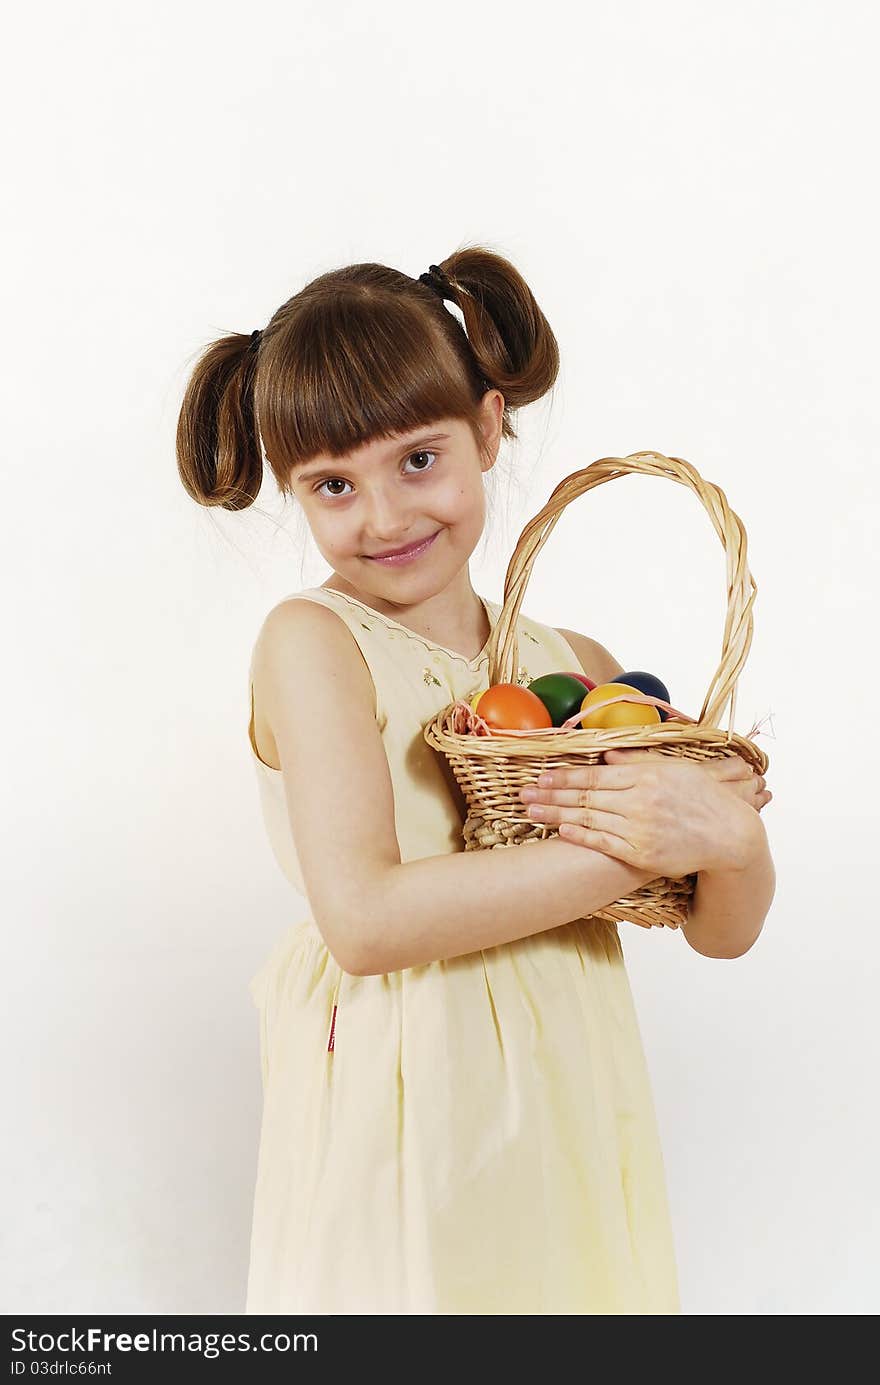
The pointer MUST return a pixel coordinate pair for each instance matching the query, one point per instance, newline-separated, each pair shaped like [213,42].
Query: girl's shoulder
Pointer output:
[300,650]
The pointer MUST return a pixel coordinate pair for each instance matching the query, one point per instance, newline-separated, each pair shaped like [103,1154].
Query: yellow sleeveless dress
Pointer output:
[471,1136]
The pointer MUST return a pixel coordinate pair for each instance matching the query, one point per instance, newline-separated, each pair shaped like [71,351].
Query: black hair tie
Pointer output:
[256,338]
[438,280]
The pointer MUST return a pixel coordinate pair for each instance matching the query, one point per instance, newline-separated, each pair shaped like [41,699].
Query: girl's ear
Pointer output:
[492,407]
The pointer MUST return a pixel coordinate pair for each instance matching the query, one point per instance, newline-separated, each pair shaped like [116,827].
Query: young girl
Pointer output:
[457,1112]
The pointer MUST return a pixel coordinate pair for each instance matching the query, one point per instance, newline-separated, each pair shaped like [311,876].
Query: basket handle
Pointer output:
[503,651]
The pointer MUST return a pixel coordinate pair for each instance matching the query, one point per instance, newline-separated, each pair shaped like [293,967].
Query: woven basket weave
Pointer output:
[492,768]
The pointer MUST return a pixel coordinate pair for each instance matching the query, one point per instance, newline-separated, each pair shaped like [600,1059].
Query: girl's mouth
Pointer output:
[408,555]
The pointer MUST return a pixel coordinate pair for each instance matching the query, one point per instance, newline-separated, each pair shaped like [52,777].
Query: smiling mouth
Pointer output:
[409,552]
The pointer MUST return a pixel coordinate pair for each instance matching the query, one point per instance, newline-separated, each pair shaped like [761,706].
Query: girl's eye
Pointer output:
[333,480]
[422,454]
[330,481]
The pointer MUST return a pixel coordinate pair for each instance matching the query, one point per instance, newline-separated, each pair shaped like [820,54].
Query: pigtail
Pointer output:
[219,457]
[512,342]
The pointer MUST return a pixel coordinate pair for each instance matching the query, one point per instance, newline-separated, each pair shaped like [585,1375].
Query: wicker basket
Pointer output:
[492,768]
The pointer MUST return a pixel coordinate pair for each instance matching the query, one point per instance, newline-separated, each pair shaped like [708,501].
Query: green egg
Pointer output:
[561,694]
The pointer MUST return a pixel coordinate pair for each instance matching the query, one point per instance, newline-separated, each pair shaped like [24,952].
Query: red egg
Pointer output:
[582,678]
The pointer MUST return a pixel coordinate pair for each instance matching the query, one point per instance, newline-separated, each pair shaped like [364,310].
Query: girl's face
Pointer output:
[390,494]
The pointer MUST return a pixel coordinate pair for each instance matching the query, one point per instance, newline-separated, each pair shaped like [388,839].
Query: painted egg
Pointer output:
[561,693]
[508,706]
[619,713]
[648,684]
[475,698]
[582,678]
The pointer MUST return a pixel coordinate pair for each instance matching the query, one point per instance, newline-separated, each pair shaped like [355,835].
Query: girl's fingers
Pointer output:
[731,767]
[552,814]
[734,771]
[574,798]
[606,842]
[571,787]
[727,768]
[601,831]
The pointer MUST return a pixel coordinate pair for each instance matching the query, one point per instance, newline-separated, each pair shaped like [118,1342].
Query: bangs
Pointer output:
[360,367]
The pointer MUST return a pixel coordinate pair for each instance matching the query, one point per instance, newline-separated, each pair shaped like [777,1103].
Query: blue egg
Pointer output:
[649,685]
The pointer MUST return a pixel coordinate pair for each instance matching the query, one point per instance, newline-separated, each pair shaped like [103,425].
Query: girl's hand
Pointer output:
[733,772]
[663,814]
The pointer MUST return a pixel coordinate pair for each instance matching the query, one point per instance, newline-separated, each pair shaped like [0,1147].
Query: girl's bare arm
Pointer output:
[377,914]
[444,906]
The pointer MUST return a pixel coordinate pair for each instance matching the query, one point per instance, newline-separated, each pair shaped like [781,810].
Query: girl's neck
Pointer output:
[454,617]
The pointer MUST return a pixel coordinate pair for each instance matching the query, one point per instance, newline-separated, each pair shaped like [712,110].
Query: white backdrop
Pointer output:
[688,191]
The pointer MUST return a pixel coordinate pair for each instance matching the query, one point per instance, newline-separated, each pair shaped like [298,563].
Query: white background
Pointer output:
[688,190]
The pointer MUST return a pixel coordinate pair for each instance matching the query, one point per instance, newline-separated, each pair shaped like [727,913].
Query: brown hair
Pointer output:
[360,353]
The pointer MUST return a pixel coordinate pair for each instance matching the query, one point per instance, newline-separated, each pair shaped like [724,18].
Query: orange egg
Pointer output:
[619,713]
[507,706]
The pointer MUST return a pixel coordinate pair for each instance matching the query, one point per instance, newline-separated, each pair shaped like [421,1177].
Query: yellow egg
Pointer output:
[619,713]
[476,697]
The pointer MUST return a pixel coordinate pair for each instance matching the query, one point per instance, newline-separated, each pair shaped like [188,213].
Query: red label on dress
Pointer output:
[332,1031]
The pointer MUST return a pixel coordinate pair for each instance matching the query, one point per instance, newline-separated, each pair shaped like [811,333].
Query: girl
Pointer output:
[457,1113]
